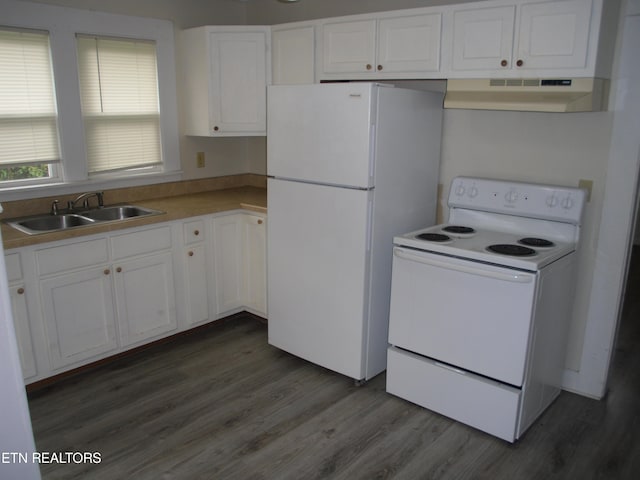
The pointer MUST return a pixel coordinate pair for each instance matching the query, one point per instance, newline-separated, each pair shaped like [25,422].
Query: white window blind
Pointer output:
[28,116]
[119,92]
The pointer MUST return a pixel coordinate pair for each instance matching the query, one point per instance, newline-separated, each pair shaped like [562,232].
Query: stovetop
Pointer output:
[522,250]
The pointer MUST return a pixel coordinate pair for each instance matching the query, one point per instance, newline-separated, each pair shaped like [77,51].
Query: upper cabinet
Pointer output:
[293,53]
[225,72]
[523,39]
[390,45]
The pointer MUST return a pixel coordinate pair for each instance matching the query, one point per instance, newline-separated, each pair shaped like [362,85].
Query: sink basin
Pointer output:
[53,223]
[50,223]
[121,212]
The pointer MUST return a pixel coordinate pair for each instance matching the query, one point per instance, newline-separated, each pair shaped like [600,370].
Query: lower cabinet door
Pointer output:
[197,284]
[145,298]
[79,315]
[20,312]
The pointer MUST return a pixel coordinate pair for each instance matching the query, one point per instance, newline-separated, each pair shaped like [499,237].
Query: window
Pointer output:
[111,117]
[119,92]
[29,147]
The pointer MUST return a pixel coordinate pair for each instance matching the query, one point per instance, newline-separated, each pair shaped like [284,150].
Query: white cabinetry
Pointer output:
[225,71]
[92,290]
[143,281]
[240,263]
[18,292]
[227,247]
[293,53]
[396,45]
[255,264]
[198,281]
[77,301]
[526,38]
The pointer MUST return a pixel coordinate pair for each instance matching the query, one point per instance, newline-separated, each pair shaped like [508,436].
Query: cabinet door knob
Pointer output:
[369,67]
[215,129]
[107,271]
[504,63]
[190,254]
[196,232]
[379,67]
[260,222]
[519,63]
[119,269]
[21,291]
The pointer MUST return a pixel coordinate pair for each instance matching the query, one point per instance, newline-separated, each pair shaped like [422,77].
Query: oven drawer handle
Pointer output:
[507,277]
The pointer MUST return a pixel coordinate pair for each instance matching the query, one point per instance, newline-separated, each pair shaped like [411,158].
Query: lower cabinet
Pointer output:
[82,300]
[254,239]
[228,248]
[18,294]
[79,315]
[145,298]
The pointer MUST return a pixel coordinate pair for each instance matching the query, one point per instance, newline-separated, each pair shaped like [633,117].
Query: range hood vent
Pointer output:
[527,95]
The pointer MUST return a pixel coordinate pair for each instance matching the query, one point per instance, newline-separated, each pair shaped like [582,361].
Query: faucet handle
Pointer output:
[54,207]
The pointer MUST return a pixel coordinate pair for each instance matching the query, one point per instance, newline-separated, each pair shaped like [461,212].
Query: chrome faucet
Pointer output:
[71,205]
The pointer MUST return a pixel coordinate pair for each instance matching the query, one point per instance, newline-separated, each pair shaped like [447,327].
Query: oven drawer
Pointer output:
[476,401]
[469,314]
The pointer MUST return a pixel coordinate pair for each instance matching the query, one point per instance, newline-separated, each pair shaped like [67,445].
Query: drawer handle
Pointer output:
[107,271]
[260,222]
[21,291]
[369,67]
[504,63]
[519,63]
[196,232]
[380,67]
[119,269]
[190,254]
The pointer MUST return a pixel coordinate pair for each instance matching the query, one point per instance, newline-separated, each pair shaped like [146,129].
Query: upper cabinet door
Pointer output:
[349,46]
[483,38]
[293,55]
[407,44]
[553,35]
[238,82]
[224,73]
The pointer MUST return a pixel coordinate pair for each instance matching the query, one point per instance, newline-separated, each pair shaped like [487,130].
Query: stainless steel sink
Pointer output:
[119,212]
[48,223]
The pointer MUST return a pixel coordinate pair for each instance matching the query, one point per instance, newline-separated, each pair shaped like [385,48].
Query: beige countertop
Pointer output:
[174,208]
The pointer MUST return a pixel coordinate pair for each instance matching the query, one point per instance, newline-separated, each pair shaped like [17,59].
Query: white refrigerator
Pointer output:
[349,166]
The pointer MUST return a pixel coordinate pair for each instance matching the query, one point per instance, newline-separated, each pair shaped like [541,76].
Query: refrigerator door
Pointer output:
[322,133]
[318,273]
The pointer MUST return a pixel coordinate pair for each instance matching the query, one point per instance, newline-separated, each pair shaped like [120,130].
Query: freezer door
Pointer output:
[321,133]
[317,273]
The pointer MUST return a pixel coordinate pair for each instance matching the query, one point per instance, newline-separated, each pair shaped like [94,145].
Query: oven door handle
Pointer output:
[507,277]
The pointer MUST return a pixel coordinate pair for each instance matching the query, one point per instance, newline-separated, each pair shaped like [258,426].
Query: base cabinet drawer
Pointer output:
[476,401]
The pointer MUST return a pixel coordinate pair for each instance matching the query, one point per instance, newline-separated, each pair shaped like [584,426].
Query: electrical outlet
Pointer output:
[587,185]
[200,159]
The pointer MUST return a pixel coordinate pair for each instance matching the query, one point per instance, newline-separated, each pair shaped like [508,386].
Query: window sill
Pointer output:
[64,188]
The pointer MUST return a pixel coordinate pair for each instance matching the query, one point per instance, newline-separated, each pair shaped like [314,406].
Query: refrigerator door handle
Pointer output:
[372,153]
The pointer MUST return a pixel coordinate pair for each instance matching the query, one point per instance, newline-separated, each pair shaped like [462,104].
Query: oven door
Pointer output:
[467,314]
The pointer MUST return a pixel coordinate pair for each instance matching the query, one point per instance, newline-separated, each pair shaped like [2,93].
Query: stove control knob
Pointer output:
[511,196]
[552,201]
[567,203]
[460,190]
[473,192]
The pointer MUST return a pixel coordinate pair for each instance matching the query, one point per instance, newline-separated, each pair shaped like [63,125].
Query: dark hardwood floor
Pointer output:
[223,404]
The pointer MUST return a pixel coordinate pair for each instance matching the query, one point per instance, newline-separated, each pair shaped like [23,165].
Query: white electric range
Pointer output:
[481,305]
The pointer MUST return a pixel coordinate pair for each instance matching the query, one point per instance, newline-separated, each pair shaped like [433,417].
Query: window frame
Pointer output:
[63,24]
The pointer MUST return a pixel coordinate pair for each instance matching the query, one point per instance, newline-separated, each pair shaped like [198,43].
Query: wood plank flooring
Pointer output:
[223,404]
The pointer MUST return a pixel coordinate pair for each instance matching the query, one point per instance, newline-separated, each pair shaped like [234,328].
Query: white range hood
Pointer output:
[527,95]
